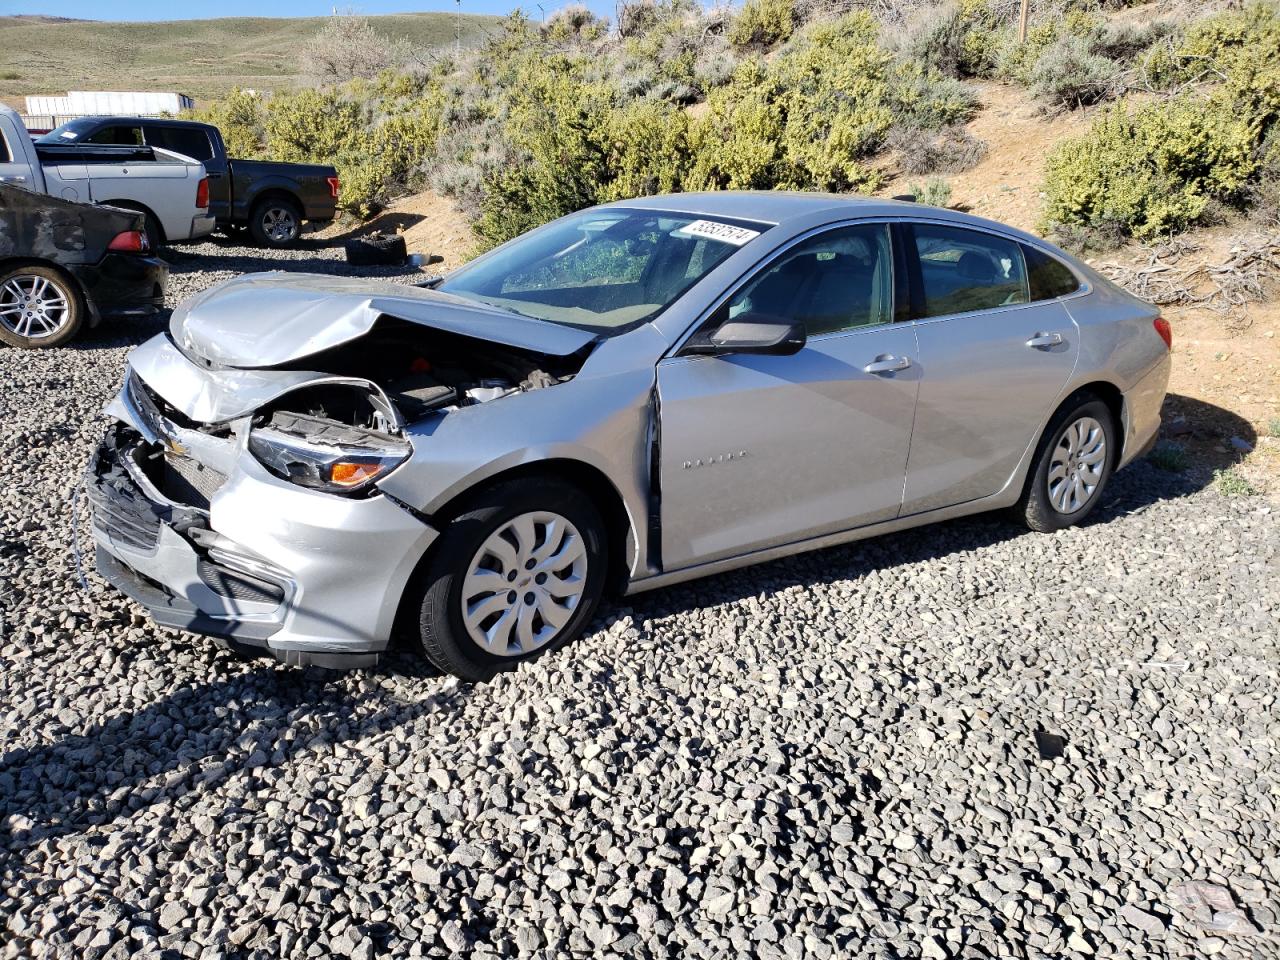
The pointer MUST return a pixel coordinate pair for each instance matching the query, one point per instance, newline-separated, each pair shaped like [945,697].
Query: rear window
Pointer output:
[1049,278]
[5,155]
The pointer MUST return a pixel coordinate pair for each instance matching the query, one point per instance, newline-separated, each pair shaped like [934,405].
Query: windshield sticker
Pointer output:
[724,232]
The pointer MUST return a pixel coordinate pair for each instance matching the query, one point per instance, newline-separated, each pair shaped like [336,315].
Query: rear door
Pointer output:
[993,361]
[758,451]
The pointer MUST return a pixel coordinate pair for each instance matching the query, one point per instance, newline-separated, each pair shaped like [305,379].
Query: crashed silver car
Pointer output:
[630,396]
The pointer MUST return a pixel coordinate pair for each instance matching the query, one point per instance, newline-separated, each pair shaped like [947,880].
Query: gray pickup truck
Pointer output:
[170,190]
[271,200]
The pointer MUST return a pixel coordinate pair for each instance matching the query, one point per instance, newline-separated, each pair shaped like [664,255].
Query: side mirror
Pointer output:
[754,333]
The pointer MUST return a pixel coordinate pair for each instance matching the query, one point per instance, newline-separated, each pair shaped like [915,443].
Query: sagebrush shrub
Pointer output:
[762,23]
[1150,170]
[949,150]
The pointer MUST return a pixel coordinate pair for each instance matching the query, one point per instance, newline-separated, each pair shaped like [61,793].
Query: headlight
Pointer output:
[325,455]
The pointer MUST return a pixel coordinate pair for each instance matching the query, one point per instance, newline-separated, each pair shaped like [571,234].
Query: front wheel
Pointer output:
[275,222]
[38,308]
[1074,461]
[518,574]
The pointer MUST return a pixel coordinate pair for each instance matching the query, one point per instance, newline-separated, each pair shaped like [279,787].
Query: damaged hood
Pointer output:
[264,320]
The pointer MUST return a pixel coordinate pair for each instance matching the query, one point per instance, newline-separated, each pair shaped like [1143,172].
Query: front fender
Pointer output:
[602,422]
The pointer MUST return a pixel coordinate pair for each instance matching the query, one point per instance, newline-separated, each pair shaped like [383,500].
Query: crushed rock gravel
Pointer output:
[962,741]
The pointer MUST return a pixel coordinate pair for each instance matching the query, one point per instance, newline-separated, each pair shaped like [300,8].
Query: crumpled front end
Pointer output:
[190,525]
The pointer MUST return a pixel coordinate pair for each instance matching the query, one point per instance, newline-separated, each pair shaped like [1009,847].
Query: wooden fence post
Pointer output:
[1022,21]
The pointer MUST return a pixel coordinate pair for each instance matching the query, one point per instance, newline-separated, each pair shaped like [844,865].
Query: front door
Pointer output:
[758,451]
[993,362]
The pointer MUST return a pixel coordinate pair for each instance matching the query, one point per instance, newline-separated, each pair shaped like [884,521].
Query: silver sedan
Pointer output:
[634,395]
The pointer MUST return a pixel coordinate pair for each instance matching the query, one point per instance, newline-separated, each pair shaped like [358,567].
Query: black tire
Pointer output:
[1041,506]
[275,222]
[443,634]
[376,250]
[49,287]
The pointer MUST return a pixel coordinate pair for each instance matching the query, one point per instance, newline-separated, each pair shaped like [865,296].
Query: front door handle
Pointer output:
[887,363]
[1045,340]
[13,179]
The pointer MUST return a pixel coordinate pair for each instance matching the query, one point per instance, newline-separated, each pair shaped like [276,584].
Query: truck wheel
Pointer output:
[38,308]
[275,222]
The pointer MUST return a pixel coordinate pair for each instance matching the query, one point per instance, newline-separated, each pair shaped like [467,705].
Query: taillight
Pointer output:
[334,184]
[1165,331]
[202,194]
[131,241]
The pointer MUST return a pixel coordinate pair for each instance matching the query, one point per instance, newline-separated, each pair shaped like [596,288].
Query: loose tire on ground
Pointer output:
[275,222]
[39,307]
[462,575]
[376,250]
[1081,444]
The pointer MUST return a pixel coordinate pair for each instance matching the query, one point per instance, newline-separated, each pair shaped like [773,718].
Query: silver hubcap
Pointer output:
[1075,469]
[524,584]
[279,224]
[33,307]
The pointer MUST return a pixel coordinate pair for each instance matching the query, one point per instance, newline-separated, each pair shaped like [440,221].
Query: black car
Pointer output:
[64,263]
[271,200]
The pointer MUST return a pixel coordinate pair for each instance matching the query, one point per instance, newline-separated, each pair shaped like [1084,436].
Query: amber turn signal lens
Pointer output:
[347,474]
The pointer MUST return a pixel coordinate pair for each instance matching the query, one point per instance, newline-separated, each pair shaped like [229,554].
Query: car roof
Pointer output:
[150,121]
[778,206]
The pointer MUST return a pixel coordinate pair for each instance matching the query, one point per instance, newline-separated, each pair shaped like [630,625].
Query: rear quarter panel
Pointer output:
[1119,345]
[309,183]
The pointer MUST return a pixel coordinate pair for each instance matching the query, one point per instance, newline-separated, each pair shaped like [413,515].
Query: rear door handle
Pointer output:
[1045,340]
[886,363]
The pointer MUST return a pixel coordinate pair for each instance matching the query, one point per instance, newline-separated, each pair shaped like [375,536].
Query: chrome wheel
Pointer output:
[279,224]
[1077,464]
[33,306]
[524,584]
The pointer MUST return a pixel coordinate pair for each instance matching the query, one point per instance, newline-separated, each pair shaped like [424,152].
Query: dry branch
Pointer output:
[1172,276]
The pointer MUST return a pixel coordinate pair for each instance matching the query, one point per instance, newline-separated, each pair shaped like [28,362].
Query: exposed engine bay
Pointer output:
[419,370]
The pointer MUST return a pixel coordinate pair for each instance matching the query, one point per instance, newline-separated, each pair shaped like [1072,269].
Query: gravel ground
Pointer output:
[965,741]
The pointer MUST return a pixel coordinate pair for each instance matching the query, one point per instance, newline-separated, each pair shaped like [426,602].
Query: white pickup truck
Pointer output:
[170,189]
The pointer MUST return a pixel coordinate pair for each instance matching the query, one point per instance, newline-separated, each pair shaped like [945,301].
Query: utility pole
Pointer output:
[457,29]
[1022,21]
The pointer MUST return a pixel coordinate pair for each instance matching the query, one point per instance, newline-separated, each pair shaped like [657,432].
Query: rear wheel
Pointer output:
[275,222]
[39,307]
[519,573]
[1073,464]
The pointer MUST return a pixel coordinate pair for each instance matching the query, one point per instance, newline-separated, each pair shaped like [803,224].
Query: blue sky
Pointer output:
[200,9]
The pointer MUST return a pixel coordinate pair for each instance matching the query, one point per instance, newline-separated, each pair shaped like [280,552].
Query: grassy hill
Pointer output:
[204,58]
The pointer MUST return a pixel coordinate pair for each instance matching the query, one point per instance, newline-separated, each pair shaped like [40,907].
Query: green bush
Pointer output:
[762,23]
[934,192]
[1069,74]
[960,39]
[1151,170]
[807,119]
[949,150]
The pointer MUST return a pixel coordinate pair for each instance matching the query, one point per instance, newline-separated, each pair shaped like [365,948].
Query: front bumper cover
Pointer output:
[307,577]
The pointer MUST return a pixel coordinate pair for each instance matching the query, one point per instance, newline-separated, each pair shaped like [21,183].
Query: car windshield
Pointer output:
[69,132]
[602,270]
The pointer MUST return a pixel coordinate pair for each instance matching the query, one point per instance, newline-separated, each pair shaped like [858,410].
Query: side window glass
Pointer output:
[120,136]
[5,156]
[835,281]
[1049,278]
[965,270]
[189,143]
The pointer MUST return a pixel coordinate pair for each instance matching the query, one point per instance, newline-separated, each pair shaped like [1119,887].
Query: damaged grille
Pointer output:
[185,481]
[121,508]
